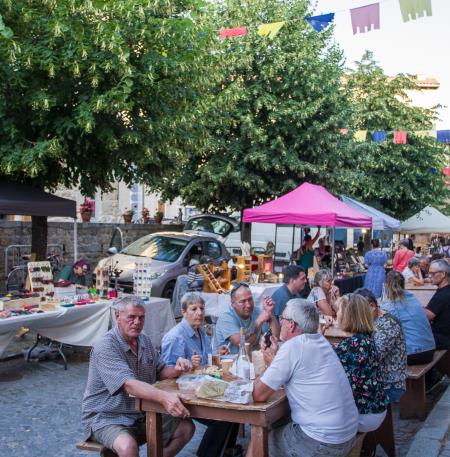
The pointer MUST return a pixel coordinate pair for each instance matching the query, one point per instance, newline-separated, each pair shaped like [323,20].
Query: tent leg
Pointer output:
[333,249]
[293,236]
[275,250]
[75,240]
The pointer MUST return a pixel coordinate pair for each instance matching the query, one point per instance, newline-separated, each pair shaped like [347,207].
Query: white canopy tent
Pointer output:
[428,220]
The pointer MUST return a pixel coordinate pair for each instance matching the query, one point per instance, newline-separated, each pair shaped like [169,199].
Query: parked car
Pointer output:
[171,252]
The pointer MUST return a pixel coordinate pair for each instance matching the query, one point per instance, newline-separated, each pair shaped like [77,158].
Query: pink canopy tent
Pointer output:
[309,204]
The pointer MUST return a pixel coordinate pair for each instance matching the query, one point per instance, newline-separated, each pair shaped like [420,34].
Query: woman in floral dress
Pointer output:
[359,358]
[375,259]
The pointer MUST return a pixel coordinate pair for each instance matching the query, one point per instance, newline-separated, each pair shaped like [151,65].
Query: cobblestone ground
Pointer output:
[40,407]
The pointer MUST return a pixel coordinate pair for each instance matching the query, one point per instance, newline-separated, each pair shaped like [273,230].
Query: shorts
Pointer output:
[291,441]
[108,434]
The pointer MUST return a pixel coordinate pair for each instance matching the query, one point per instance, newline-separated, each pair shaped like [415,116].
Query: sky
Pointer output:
[415,47]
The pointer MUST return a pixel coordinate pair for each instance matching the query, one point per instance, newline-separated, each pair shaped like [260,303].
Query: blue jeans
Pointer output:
[394,394]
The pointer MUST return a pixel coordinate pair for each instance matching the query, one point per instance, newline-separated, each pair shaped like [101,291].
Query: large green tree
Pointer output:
[273,120]
[96,91]
[401,179]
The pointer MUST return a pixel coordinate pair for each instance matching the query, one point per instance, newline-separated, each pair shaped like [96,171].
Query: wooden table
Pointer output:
[422,293]
[259,415]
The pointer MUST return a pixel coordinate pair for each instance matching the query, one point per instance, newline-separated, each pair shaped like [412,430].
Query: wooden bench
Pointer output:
[383,435]
[357,445]
[95,447]
[413,403]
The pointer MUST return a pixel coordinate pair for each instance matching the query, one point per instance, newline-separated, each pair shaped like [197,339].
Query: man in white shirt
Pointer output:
[324,415]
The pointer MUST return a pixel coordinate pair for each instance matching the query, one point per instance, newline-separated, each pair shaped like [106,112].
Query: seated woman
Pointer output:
[359,358]
[412,273]
[189,340]
[324,294]
[403,304]
[391,346]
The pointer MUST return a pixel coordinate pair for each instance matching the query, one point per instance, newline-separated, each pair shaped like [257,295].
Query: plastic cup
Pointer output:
[226,366]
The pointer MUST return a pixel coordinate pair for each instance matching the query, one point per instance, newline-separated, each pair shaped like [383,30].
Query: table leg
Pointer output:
[154,434]
[259,445]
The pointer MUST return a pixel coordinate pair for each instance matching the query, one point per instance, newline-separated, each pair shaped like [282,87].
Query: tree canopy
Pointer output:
[400,179]
[95,91]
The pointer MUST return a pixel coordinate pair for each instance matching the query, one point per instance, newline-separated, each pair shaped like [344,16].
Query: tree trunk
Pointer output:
[246,230]
[39,237]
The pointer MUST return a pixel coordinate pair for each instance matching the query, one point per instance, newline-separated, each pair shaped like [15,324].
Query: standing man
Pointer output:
[438,310]
[242,313]
[324,415]
[124,363]
[294,279]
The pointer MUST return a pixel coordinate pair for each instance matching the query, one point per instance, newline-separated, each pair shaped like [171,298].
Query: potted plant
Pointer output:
[86,209]
[145,213]
[128,216]
[158,217]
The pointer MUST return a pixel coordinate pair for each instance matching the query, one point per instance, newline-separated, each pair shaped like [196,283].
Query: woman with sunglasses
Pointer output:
[76,273]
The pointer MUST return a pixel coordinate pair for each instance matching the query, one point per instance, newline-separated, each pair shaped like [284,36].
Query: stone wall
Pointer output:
[93,239]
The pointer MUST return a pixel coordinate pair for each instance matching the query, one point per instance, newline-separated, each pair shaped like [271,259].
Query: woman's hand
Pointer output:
[196,360]
[328,322]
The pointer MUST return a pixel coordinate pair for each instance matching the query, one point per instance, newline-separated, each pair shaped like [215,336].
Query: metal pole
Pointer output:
[275,249]
[332,250]
[293,235]
[75,240]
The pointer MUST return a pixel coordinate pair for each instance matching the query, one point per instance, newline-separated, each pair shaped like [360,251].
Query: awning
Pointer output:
[429,220]
[380,221]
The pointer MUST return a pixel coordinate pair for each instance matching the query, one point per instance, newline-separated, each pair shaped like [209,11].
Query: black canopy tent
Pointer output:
[25,200]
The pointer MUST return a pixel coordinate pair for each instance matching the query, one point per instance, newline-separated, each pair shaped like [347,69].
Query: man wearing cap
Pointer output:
[76,273]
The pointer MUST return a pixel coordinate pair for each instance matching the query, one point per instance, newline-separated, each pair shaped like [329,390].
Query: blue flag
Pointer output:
[443,136]
[318,23]
[379,136]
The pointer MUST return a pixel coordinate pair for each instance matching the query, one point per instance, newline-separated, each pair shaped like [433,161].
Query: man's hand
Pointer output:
[196,360]
[183,365]
[269,352]
[326,323]
[171,402]
[267,309]
[224,350]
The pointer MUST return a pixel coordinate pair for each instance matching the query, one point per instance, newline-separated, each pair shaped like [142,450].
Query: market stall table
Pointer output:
[84,325]
[259,415]
[216,304]
[350,284]
[423,293]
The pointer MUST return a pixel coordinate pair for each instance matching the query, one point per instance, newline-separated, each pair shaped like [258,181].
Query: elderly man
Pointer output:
[323,411]
[124,363]
[242,314]
[438,309]
[294,279]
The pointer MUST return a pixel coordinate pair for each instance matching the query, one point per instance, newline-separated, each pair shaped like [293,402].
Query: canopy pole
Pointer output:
[75,240]
[275,249]
[293,236]
[333,260]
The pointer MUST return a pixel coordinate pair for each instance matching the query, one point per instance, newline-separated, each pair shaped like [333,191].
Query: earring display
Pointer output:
[143,278]
[41,278]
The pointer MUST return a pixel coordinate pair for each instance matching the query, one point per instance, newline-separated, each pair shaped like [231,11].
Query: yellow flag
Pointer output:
[424,133]
[360,135]
[271,29]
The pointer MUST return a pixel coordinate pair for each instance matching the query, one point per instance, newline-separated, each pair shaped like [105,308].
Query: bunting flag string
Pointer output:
[399,136]
[364,19]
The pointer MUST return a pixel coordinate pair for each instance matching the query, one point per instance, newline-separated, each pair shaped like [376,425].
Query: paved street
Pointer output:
[40,410]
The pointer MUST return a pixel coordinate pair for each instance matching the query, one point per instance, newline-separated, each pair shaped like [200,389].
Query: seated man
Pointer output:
[242,313]
[323,411]
[294,279]
[76,273]
[124,363]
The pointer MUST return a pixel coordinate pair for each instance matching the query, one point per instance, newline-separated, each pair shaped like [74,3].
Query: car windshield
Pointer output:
[157,247]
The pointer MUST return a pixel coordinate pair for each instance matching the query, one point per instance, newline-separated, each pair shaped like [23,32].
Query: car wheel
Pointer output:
[168,291]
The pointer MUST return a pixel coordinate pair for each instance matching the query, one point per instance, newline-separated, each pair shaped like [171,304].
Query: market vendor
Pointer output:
[76,273]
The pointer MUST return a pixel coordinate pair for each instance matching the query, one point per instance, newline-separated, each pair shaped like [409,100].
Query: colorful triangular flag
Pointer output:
[400,137]
[234,32]
[360,135]
[318,23]
[365,17]
[270,30]
[379,136]
[343,131]
[413,9]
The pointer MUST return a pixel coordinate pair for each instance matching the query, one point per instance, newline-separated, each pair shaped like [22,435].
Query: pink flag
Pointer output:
[236,31]
[343,131]
[400,137]
[365,16]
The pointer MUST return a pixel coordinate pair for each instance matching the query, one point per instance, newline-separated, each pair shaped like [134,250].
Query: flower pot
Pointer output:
[127,218]
[86,216]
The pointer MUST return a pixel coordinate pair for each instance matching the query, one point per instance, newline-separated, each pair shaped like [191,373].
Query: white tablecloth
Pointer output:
[216,304]
[84,325]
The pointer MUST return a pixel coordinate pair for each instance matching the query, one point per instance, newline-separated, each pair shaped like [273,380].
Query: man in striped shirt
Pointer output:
[124,363]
